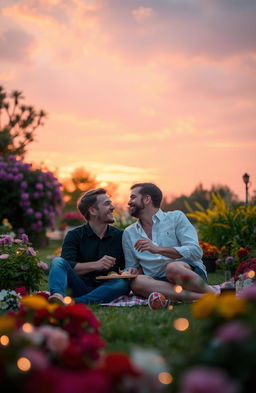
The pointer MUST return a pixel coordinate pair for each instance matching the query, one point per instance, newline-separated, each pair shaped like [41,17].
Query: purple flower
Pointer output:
[38,215]
[7,239]
[249,293]
[24,238]
[30,211]
[39,186]
[207,380]
[43,265]
[24,196]
[31,252]
[229,259]
[234,331]
[218,261]
[36,195]
[4,256]
[23,184]
[23,268]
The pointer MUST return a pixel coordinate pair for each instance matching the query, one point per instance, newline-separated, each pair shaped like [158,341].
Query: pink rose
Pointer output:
[232,332]
[31,252]
[207,380]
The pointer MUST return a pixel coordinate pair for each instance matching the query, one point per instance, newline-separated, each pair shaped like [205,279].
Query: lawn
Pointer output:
[124,328]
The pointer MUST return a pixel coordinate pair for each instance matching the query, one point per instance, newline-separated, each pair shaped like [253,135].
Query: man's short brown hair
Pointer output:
[152,190]
[89,199]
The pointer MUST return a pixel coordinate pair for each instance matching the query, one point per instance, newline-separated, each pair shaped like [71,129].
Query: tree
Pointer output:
[81,181]
[17,123]
[200,198]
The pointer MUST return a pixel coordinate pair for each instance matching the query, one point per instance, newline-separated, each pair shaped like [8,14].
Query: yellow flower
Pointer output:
[35,302]
[5,221]
[52,307]
[204,306]
[7,322]
[229,305]
[57,252]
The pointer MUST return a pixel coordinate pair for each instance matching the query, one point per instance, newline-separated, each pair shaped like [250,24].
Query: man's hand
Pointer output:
[146,245]
[131,270]
[105,262]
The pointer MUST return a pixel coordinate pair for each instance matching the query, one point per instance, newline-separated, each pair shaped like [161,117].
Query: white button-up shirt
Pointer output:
[170,229]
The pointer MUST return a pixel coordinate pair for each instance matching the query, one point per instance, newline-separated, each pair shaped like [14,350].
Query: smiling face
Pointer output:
[103,210]
[136,203]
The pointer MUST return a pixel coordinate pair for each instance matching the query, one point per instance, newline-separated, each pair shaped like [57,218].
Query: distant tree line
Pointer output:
[200,198]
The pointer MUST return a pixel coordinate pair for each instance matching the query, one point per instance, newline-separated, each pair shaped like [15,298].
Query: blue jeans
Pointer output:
[63,276]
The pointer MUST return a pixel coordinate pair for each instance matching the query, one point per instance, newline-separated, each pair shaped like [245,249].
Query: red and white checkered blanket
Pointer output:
[127,301]
[132,300]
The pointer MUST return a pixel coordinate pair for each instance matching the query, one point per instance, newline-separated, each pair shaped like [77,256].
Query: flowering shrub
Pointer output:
[226,263]
[29,198]
[209,250]
[47,347]
[225,225]
[72,219]
[231,262]
[19,263]
[249,265]
[9,300]
[222,358]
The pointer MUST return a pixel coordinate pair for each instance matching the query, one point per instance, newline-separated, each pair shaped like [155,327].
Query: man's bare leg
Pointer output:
[144,285]
[181,273]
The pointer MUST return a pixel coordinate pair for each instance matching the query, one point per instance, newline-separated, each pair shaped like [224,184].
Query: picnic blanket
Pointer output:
[127,301]
[132,300]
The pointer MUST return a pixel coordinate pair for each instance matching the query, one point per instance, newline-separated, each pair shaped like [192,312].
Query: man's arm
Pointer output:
[147,245]
[70,253]
[103,263]
[187,237]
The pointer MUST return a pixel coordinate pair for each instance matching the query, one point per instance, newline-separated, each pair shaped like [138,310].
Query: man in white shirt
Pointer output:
[163,249]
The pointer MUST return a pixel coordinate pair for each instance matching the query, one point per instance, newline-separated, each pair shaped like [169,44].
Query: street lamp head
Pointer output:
[246,178]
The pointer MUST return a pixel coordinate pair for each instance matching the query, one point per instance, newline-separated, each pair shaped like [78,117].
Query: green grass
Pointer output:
[124,328]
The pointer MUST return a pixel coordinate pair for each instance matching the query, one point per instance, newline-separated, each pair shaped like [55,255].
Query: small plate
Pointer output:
[115,276]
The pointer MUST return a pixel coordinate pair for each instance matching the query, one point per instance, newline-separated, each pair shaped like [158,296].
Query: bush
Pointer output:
[29,198]
[72,219]
[225,225]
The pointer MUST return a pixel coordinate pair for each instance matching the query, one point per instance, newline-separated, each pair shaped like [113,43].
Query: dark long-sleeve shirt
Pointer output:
[83,245]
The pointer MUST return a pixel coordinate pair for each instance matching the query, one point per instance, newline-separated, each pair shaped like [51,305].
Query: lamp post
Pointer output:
[246,179]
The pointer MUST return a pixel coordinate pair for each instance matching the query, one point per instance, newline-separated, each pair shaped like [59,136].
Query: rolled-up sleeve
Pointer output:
[131,261]
[187,236]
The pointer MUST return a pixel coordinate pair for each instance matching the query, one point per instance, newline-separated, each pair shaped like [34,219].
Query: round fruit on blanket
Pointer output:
[157,300]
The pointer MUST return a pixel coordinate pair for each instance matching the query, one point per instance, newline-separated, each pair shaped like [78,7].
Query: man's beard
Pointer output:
[137,209]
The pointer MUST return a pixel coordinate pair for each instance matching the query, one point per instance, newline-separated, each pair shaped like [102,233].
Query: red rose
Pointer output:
[22,291]
[91,344]
[119,365]
[78,312]
[242,252]
[73,356]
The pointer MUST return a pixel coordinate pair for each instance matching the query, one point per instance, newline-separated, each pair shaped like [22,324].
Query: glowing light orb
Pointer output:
[181,324]
[23,364]
[165,378]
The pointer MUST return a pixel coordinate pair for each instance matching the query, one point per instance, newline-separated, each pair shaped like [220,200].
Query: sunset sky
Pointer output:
[138,90]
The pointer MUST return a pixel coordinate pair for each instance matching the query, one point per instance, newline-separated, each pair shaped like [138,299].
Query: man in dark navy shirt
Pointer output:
[91,250]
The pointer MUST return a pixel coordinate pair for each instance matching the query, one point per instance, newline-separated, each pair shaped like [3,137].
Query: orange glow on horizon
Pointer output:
[173,110]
